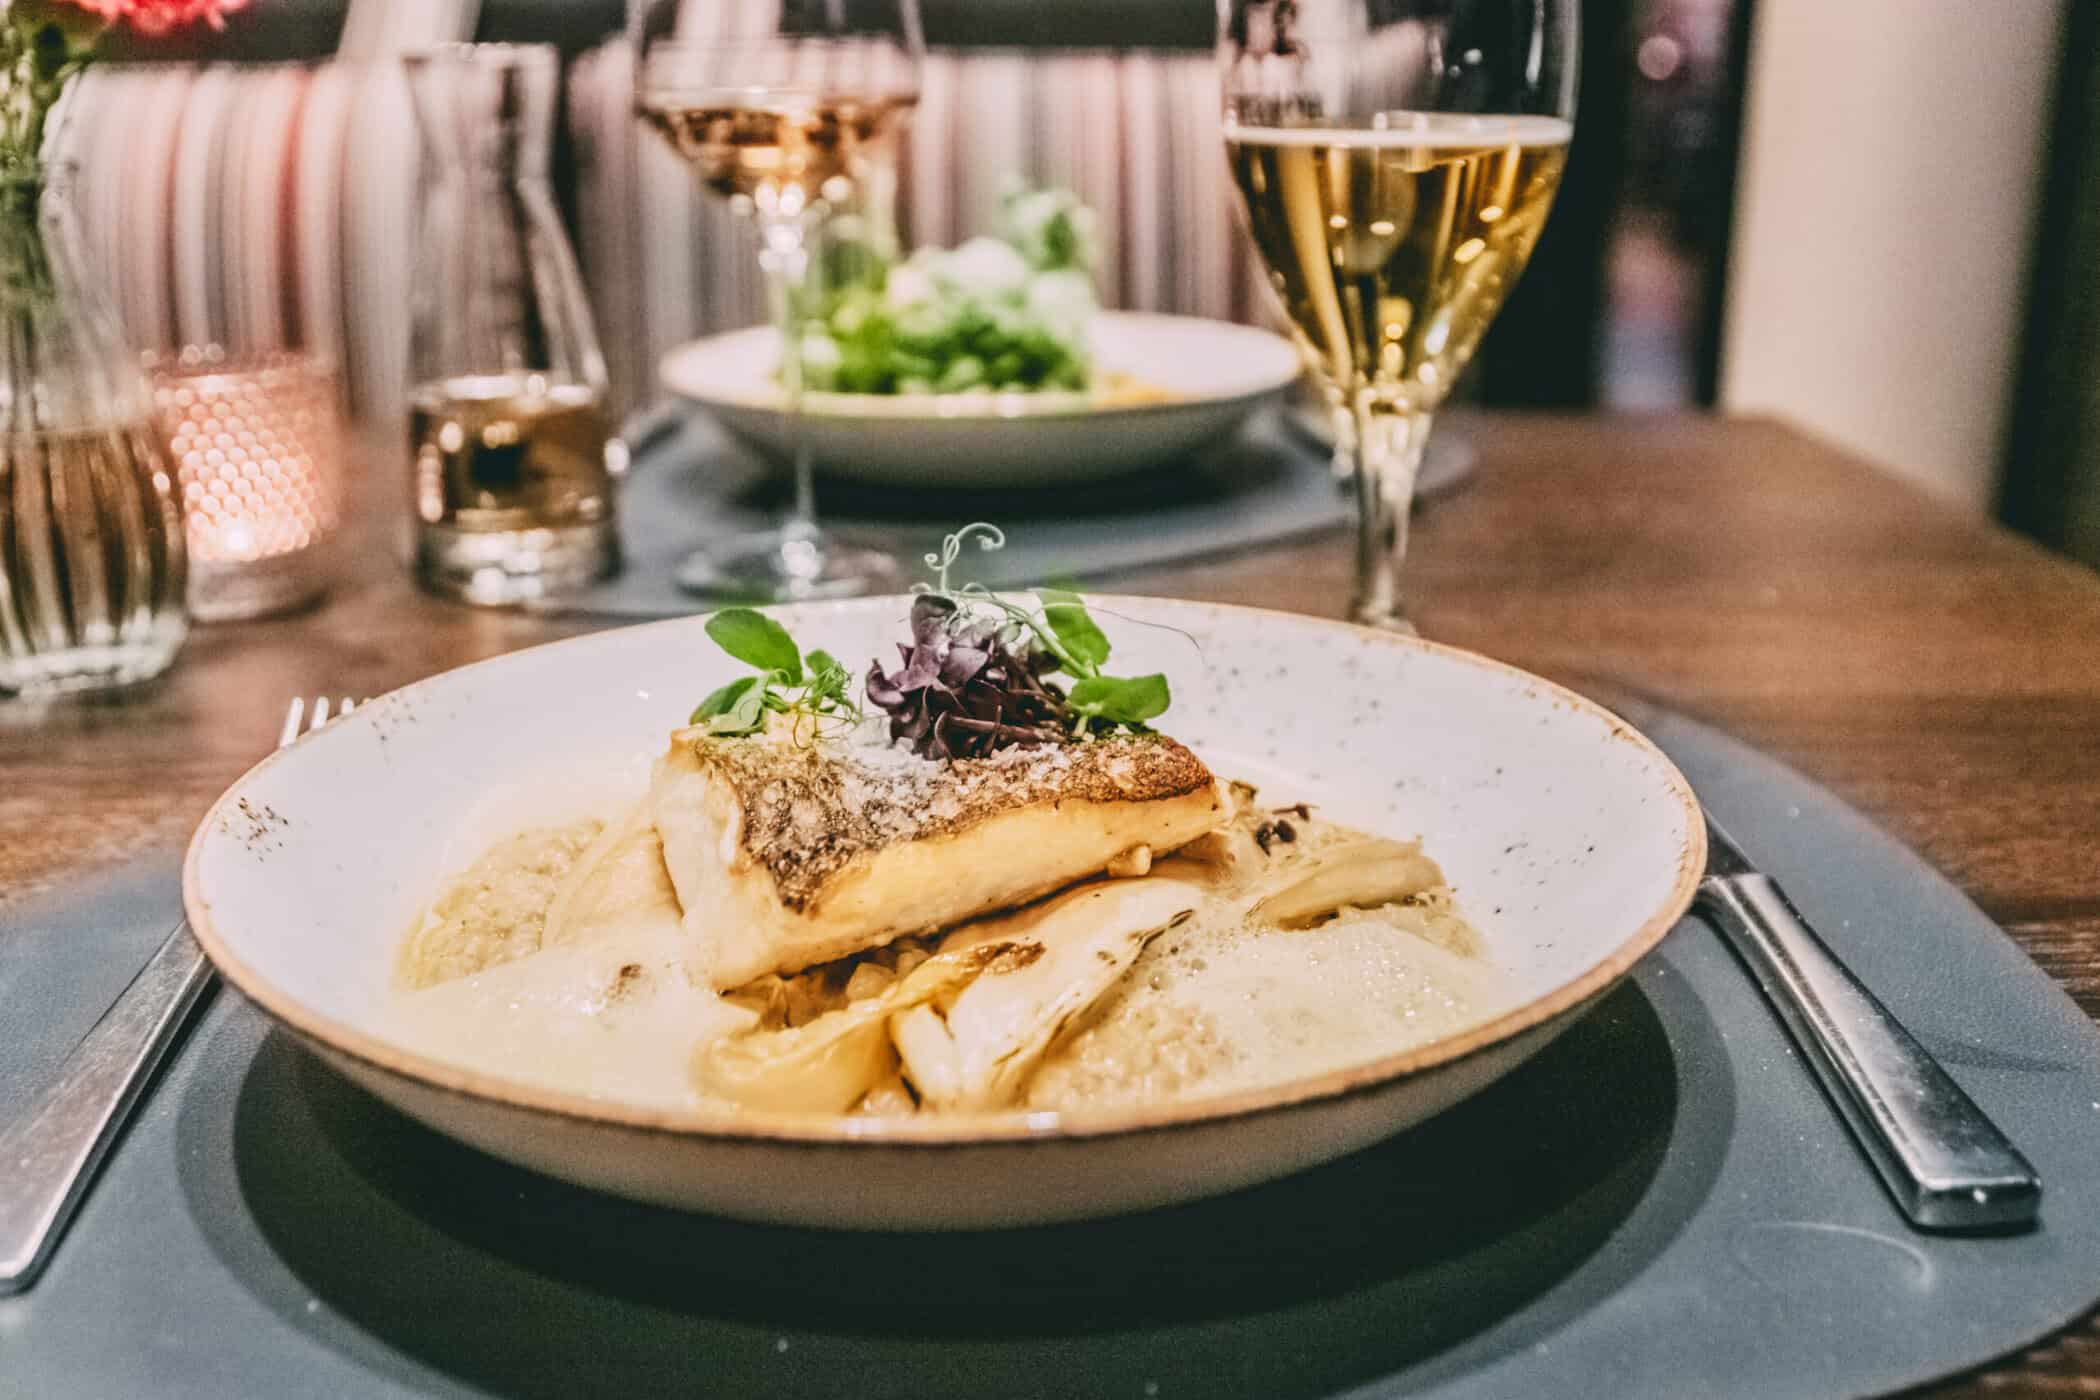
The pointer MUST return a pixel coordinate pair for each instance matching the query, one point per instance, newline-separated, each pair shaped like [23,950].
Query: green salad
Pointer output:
[997,314]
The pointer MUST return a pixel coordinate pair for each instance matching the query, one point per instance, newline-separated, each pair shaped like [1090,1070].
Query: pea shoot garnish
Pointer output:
[974,679]
[813,688]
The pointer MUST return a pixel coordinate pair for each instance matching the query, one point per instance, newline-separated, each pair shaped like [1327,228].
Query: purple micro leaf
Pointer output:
[930,618]
[880,691]
[962,665]
[921,669]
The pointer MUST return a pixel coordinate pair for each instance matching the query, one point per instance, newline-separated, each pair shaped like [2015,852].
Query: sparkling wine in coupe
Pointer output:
[743,143]
[789,111]
[790,158]
[1393,243]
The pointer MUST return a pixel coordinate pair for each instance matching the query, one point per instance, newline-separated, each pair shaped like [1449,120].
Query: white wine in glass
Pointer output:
[786,109]
[1392,233]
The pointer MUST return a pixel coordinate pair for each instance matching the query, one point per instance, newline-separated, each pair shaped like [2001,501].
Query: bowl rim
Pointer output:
[739,1126]
[977,410]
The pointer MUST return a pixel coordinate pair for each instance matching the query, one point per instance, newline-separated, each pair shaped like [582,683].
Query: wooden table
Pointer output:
[1941,675]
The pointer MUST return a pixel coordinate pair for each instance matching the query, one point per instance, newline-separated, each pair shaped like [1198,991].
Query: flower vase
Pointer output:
[92,559]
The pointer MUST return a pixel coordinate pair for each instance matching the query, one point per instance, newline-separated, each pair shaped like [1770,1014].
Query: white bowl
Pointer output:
[1572,842]
[1217,372]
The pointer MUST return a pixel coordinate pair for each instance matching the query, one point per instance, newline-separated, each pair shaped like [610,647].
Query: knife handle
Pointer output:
[1945,1162]
[49,1154]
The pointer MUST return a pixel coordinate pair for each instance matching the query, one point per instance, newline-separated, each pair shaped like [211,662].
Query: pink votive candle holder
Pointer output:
[258,442]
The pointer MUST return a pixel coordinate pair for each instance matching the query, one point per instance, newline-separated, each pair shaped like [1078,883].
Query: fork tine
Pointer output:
[322,711]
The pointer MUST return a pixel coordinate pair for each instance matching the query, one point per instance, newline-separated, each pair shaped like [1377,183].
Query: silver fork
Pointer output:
[49,1155]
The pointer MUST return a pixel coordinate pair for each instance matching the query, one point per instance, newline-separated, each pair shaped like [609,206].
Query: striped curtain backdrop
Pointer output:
[263,207]
[273,207]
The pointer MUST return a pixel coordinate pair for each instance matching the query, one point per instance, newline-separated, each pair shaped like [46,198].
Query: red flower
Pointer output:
[160,16]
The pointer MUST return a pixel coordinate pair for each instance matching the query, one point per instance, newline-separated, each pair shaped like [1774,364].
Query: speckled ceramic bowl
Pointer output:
[1573,843]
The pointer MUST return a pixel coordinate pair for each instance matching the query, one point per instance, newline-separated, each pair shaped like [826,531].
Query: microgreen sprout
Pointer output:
[989,537]
[813,689]
[973,678]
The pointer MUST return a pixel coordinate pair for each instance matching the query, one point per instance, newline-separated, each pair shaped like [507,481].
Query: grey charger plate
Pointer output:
[1661,1203]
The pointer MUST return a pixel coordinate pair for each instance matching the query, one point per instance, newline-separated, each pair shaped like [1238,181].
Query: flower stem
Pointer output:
[43,47]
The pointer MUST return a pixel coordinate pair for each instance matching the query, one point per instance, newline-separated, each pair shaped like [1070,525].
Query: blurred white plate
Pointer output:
[1216,372]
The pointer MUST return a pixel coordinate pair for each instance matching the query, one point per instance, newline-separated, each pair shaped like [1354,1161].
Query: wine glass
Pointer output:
[789,109]
[1395,160]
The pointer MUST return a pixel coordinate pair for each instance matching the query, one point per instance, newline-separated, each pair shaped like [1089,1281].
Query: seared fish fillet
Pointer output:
[785,855]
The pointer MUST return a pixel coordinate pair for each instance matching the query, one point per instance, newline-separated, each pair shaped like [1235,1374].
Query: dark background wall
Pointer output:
[2052,460]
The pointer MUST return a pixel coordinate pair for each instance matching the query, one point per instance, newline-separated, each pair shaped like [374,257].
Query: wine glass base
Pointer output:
[1383,621]
[781,566]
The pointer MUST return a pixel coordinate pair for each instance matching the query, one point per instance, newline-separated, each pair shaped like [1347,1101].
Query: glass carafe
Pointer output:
[92,558]
[514,456]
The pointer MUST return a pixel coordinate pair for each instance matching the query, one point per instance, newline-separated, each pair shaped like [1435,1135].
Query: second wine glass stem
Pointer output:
[784,229]
[1388,451]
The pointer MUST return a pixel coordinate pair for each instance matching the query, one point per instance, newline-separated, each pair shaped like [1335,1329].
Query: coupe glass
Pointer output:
[1396,160]
[788,109]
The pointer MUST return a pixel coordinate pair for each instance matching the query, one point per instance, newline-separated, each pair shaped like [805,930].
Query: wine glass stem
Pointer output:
[784,229]
[1388,448]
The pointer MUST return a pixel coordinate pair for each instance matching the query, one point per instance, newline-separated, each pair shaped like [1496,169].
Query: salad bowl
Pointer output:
[1166,386]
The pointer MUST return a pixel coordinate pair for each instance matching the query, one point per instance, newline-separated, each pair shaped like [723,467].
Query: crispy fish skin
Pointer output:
[786,855]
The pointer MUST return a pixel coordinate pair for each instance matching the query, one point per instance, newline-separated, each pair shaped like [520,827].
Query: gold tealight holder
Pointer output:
[258,441]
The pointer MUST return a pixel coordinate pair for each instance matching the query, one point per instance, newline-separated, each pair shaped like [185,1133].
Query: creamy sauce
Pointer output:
[496,909]
[606,996]
[613,1020]
[1219,1005]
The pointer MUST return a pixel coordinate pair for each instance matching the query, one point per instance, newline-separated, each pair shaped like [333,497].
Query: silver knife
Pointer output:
[1946,1163]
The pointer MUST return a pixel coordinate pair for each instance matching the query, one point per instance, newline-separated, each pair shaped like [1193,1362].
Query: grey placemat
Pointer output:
[1661,1203]
[1264,485]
